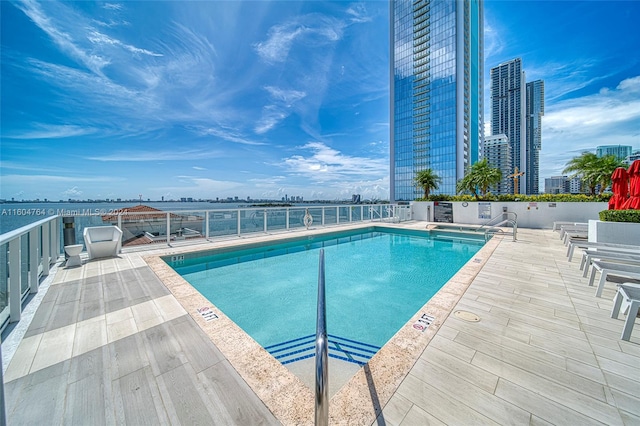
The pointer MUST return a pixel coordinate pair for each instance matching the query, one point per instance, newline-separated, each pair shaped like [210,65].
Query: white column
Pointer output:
[34,260]
[15,305]
[46,247]
[206,224]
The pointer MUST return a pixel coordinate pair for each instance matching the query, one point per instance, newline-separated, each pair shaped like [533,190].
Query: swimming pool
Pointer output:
[376,279]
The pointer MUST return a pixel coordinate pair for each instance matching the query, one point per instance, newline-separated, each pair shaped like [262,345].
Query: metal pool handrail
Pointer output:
[322,366]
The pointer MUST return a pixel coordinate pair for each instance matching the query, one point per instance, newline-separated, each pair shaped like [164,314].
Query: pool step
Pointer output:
[339,348]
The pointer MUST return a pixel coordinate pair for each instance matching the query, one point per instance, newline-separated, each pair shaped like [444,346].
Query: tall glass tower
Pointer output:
[436,91]
[508,113]
[535,111]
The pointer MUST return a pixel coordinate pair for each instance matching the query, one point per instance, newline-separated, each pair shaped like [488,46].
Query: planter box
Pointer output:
[614,232]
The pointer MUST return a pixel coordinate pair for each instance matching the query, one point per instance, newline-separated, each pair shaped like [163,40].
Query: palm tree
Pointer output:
[428,180]
[479,177]
[593,170]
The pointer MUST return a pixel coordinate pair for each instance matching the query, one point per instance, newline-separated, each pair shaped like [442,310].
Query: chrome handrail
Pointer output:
[322,366]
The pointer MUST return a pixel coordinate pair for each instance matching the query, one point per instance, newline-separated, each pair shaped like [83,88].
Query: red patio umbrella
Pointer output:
[620,188]
[633,203]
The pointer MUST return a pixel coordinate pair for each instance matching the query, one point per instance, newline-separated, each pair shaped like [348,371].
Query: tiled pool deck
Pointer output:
[119,341]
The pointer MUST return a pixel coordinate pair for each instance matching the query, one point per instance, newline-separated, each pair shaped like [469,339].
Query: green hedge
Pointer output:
[620,216]
[542,198]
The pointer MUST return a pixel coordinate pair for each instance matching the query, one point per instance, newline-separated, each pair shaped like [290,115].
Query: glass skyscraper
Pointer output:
[508,113]
[436,91]
[535,111]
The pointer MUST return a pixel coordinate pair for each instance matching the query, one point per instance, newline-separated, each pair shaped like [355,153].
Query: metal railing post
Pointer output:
[46,248]
[34,260]
[238,222]
[168,229]
[15,278]
[206,223]
[287,219]
[322,366]
[337,215]
[323,216]
[264,215]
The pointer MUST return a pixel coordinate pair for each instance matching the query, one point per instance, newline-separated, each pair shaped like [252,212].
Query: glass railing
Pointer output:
[167,227]
[26,255]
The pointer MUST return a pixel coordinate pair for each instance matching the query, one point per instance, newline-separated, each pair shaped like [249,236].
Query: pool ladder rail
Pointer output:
[494,228]
[322,349]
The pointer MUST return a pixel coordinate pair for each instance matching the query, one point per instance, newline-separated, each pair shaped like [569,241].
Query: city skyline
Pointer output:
[260,99]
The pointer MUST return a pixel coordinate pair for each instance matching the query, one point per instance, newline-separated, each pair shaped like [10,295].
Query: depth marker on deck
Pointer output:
[423,322]
[207,313]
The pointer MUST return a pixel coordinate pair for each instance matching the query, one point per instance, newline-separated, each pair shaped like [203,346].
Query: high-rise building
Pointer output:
[517,108]
[497,151]
[535,111]
[557,185]
[436,91]
[621,152]
[508,112]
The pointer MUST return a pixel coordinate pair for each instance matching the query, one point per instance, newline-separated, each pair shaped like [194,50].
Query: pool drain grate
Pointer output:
[466,316]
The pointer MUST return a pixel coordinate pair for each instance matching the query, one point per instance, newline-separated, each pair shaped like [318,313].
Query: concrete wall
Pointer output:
[540,215]
[614,232]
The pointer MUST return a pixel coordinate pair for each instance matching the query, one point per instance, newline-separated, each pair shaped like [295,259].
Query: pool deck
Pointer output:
[115,341]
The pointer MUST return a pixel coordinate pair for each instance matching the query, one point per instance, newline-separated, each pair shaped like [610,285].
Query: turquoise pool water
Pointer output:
[375,281]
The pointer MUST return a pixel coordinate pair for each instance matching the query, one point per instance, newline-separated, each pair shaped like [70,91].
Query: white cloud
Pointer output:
[569,127]
[173,155]
[45,131]
[99,38]
[286,96]
[62,38]
[228,135]
[72,192]
[312,29]
[358,13]
[198,168]
[326,164]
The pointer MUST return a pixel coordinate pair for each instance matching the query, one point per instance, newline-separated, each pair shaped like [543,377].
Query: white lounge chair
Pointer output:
[103,241]
[630,294]
[610,269]
[588,256]
[593,245]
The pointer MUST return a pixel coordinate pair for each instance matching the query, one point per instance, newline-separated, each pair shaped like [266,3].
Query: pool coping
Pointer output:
[362,398]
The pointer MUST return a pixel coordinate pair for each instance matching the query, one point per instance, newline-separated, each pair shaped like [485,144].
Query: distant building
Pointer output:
[535,111]
[508,112]
[621,152]
[497,151]
[517,108]
[436,80]
[576,186]
[632,157]
[556,185]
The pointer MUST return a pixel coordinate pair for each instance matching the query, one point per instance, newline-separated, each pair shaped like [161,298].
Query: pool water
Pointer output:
[375,281]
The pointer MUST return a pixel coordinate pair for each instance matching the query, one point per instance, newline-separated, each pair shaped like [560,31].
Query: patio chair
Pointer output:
[588,256]
[579,243]
[102,241]
[631,294]
[627,272]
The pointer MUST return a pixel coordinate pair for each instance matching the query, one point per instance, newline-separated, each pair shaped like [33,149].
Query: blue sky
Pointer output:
[262,99]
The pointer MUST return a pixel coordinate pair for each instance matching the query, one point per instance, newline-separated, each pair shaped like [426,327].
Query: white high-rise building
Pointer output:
[497,151]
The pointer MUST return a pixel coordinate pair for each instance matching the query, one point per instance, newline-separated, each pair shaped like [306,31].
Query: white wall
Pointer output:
[530,215]
[614,232]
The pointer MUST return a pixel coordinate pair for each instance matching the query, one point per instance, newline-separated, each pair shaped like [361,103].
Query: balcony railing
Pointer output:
[26,254]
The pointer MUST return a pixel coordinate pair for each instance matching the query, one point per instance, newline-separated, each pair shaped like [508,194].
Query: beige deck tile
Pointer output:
[440,405]
[169,307]
[23,358]
[146,315]
[417,416]
[119,315]
[626,402]
[614,355]
[122,329]
[464,370]
[56,346]
[540,406]
[569,396]
[395,411]
[451,348]
[619,368]
[90,334]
